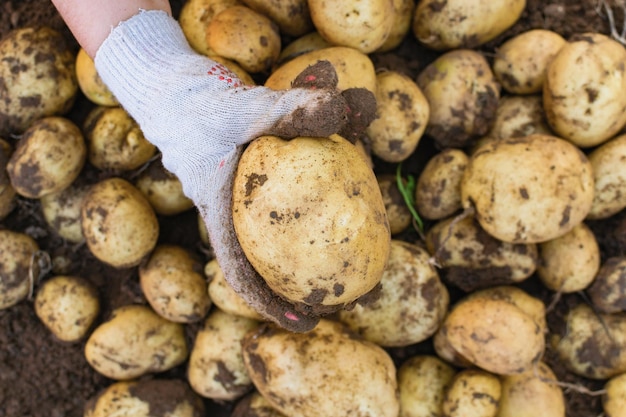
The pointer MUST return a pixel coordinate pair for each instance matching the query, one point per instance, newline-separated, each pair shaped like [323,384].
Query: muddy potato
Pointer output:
[61,210]
[494,335]
[520,63]
[245,36]
[327,371]
[606,291]
[609,172]
[463,24]
[614,400]
[462,94]
[398,213]
[569,263]
[531,393]
[115,141]
[472,393]
[16,253]
[135,341]
[37,72]
[470,258]
[402,115]
[195,16]
[216,369]
[354,68]
[145,398]
[412,302]
[528,190]
[438,189]
[90,82]
[67,306]
[118,223]
[402,20]
[291,16]
[322,207]
[255,405]
[163,190]
[592,344]
[48,157]
[582,94]
[7,192]
[172,281]
[223,295]
[422,382]
[302,45]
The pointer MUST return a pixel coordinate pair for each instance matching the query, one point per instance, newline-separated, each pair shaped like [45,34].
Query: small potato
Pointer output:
[90,82]
[606,291]
[520,63]
[216,369]
[609,172]
[472,393]
[292,16]
[7,192]
[245,36]
[61,210]
[398,213]
[411,305]
[592,345]
[163,190]
[255,405]
[118,223]
[402,112]
[146,398]
[224,297]
[135,341]
[614,400]
[457,24]
[195,16]
[115,140]
[173,284]
[438,189]
[422,382]
[569,263]
[402,20]
[302,45]
[528,190]
[324,372]
[531,393]
[322,207]
[354,69]
[67,306]
[494,335]
[364,26]
[48,157]
[582,94]
[462,94]
[16,254]
[470,258]
[37,69]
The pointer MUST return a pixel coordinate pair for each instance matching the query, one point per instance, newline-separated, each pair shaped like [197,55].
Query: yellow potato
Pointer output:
[61,210]
[48,157]
[609,173]
[472,393]
[90,82]
[16,258]
[398,213]
[163,190]
[291,16]
[614,400]
[195,16]
[364,26]
[402,21]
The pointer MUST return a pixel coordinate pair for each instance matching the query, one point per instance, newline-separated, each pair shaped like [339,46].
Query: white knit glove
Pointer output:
[199,115]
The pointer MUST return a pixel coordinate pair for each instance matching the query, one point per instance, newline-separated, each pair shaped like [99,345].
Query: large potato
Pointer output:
[411,305]
[135,341]
[402,112]
[463,23]
[195,16]
[291,16]
[48,158]
[583,90]
[530,189]
[320,204]
[37,77]
[16,277]
[325,372]
[609,173]
[606,291]
[118,223]
[462,94]
[472,393]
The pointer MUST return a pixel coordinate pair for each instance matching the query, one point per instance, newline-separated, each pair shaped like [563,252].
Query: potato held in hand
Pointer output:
[310,217]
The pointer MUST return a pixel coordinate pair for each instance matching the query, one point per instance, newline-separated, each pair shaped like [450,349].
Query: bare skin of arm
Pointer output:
[91,21]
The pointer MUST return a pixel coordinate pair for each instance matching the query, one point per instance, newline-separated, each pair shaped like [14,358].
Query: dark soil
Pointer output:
[40,376]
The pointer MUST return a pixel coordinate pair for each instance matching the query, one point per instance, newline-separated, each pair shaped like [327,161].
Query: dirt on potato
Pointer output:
[40,376]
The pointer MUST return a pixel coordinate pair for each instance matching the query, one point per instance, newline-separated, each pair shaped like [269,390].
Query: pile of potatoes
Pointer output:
[529,145]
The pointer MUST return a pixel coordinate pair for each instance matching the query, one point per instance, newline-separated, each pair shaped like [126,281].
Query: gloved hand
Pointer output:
[199,114]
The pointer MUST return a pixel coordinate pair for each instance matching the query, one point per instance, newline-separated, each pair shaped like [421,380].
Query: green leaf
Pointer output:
[407,189]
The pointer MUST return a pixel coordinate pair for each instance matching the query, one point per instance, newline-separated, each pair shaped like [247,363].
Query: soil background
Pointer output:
[39,376]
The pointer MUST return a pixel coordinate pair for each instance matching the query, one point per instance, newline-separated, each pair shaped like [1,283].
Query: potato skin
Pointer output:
[7,192]
[472,393]
[292,16]
[614,400]
[90,83]
[606,291]
[398,213]
[16,251]
[530,189]
[609,172]
[61,210]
